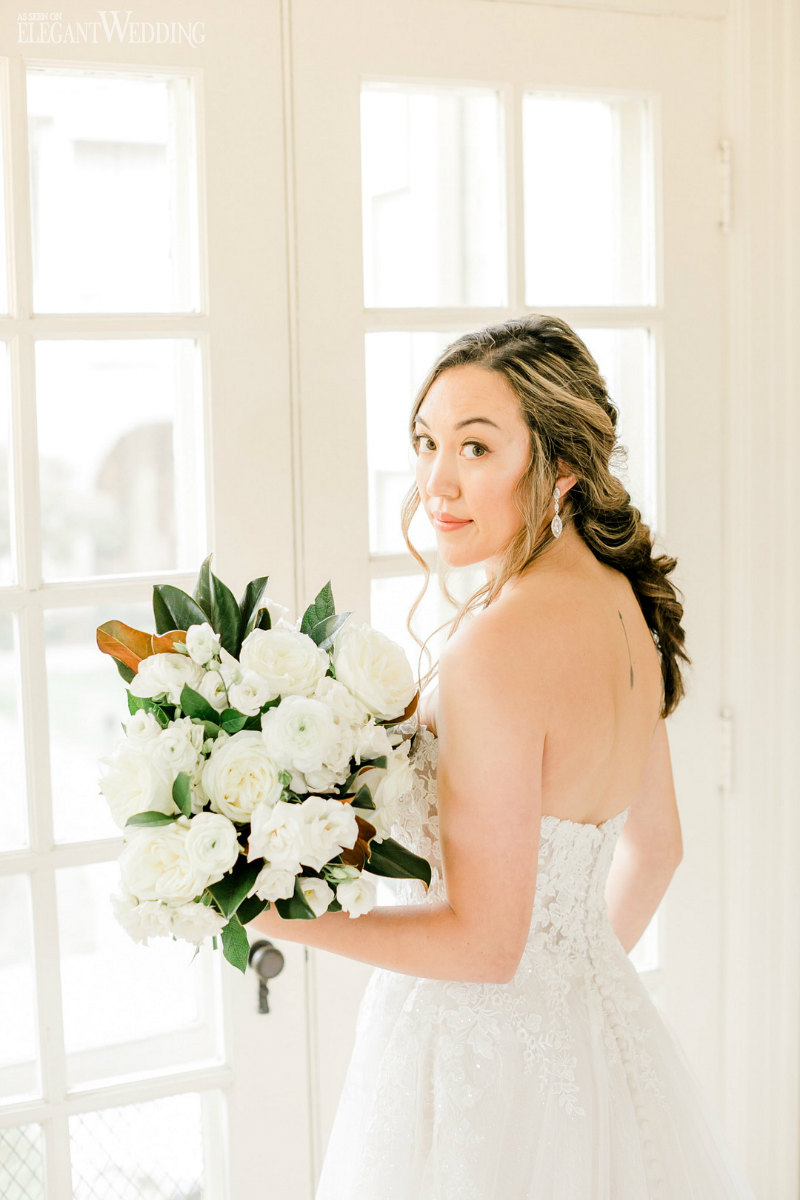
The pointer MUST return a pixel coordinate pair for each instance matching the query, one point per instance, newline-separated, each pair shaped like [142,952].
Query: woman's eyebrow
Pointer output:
[461,424]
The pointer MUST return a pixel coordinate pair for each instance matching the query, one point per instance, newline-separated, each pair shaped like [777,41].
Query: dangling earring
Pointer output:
[555,524]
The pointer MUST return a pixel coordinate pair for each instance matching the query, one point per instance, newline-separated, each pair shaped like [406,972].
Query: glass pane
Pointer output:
[121,456]
[391,600]
[626,358]
[150,1151]
[3,246]
[396,365]
[22,1163]
[158,1008]
[13,809]
[8,572]
[588,200]
[19,1070]
[433,195]
[86,705]
[113,192]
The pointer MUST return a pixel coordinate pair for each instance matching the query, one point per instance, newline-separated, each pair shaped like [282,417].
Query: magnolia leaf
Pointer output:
[395,861]
[235,945]
[249,606]
[152,818]
[363,798]
[358,854]
[296,907]
[174,609]
[182,793]
[364,766]
[409,711]
[218,603]
[321,608]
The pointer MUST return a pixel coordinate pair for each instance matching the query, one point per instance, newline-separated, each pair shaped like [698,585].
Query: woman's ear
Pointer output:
[565,481]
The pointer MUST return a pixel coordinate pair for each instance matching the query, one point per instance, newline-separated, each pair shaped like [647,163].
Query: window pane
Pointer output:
[86,705]
[13,808]
[19,1068]
[8,571]
[150,1151]
[396,366]
[3,245]
[626,358]
[121,456]
[158,1008]
[588,200]
[113,192]
[22,1163]
[391,600]
[433,194]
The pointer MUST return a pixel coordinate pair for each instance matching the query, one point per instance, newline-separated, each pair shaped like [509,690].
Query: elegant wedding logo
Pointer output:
[114,25]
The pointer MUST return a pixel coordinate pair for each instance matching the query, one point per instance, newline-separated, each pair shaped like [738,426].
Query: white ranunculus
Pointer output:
[357,896]
[212,688]
[300,733]
[141,919]
[327,826]
[165,674]
[134,782]
[179,746]
[240,775]
[290,662]
[249,694]
[142,727]
[347,709]
[195,921]
[202,643]
[276,835]
[317,893]
[155,865]
[375,669]
[274,883]
[212,845]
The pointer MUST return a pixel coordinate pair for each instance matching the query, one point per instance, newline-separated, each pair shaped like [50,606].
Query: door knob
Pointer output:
[267,962]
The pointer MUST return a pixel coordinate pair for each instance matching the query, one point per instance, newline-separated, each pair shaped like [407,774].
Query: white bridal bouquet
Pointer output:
[260,764]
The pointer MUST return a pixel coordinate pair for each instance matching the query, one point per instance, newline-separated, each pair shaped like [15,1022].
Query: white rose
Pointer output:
[327,826]
[212,688]
[389,787]
[371,741]
[195,921]
[290,662]
[375,669]
[211,845]
[202,643]
[249,694]
[133,782]
[240,776]
[317,893]
[142,727]
[274,883]
[141,919]
[155,865]
[178,746]
[300,733]
[347,709]
[277,612]
[276,835]
[357,896]
[165,674]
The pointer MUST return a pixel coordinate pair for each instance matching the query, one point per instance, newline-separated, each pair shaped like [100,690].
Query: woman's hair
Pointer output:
[572,426]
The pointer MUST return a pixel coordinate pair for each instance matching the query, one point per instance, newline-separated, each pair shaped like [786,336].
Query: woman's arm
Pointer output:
[489,802]
[649,849]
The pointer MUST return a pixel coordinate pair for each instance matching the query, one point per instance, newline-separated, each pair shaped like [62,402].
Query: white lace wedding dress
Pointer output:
[564,1084]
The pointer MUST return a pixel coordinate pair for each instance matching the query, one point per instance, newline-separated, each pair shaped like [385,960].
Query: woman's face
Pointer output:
[467,467]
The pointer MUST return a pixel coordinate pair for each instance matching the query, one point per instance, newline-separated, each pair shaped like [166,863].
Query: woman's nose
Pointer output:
[442,478]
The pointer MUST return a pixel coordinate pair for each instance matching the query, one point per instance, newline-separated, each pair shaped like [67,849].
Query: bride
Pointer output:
[505,1047]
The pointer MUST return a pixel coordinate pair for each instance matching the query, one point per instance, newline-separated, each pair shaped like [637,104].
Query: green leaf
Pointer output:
[296,907]
[182,793]
[366,765]
[232,720]
[230,891]
[152,818]
[363,798]
[218,603]
[325,631]
[334,906]
[248,606]
[250,908]
[195,705]
[127,673]
[174,609]
[395,861]
[235,945]
[319,610]
[263,619]
[145,702]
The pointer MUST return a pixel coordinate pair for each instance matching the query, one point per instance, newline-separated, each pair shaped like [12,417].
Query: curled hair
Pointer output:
[572,425]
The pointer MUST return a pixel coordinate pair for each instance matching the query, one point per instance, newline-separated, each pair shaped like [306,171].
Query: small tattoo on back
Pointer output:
[627,643]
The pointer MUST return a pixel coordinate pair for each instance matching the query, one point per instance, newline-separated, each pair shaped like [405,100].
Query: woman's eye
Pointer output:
[476,446]
[419,438]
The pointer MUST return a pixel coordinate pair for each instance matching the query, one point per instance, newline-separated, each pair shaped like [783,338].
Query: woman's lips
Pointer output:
[448,526]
